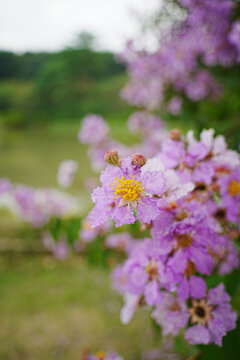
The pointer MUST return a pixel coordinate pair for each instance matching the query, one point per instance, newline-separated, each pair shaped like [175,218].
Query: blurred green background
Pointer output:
[51,309]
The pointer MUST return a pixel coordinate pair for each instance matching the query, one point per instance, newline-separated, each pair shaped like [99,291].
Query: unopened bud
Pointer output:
[138,159]
[175,134]
[111,157]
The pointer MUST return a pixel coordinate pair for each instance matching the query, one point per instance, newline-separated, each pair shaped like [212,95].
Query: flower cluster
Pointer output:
[205,33]
[36,206]
[187,197]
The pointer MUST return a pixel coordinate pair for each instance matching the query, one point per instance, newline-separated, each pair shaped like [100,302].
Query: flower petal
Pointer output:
[148,210]
[123,215]
[154,182]
[198,334]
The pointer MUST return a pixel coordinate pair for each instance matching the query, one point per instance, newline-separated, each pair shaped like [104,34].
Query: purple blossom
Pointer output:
[123,190]
[94,129]
[213,318]
[171,314]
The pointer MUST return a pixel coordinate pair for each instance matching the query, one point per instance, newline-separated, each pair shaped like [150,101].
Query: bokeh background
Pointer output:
[57,64]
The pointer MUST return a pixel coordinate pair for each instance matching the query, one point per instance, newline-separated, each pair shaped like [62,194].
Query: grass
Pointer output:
[53,310]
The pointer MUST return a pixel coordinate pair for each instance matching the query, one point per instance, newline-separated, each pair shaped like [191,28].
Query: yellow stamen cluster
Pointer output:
[234,188]
[127,189]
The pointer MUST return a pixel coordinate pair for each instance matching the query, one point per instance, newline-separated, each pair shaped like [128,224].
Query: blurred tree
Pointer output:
[9,65]
[85,40]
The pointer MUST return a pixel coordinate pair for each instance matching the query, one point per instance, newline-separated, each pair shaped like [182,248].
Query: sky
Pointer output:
[48,25]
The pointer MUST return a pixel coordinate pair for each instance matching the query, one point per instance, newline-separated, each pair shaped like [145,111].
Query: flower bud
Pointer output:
[111,157]
[175,134]
[138,159]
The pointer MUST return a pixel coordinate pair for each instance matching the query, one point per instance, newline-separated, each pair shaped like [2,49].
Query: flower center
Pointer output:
[184,240]
[201,312]
[174,307]
[234,188]
[152,270]
[127,189]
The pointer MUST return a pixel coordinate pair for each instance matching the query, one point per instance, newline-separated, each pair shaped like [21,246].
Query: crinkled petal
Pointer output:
[226,315]
[123,215]
[180,191]
[198,287]
[218,295]
[198,150]
[128,310]
[99,215]
[217,331]
[128,168]
[198,334]
[183,289]
[178,262]
[154,182]
[109,174]
[202,260]
[153,295]
[148,210]
[137,279]
[204,172]
[206,137]
[99,195]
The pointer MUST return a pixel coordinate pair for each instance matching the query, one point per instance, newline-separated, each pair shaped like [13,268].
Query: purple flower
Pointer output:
[213,318]
[94,129]
[146,274]
[171,314]
[125,190]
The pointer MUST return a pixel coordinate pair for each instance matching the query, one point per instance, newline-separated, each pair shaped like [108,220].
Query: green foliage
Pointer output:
[67,84]
[221,113]
[9,65]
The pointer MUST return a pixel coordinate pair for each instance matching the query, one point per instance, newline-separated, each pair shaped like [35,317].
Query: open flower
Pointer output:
[126,195]
[213,318]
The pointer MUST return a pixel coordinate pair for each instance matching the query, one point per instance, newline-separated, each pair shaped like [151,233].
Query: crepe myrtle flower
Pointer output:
[184,236]
[171,314]
[127,194]
[211,317]
[146,272]
[94,129]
